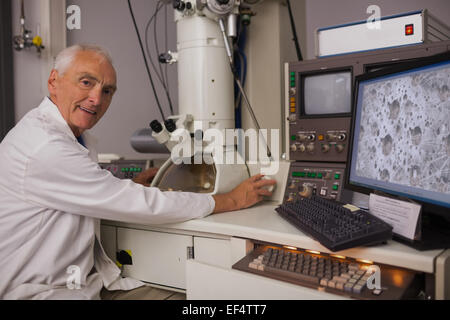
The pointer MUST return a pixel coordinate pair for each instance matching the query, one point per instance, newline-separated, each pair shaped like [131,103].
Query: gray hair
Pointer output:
[66,56]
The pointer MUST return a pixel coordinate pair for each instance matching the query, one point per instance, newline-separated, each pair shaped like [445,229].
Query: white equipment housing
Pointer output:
[206,101]
[393,31]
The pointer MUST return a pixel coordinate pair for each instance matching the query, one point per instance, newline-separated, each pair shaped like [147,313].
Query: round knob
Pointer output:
[310,148]
[306,192]
[302,137]
[302,148]
[342,137]
[311,137]
[293,148]
[325,148]
[339,148]
[292,91]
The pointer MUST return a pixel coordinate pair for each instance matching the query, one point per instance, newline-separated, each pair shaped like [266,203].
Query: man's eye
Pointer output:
[86,83]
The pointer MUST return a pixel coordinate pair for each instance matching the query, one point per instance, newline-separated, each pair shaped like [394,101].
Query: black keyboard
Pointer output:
[333,225]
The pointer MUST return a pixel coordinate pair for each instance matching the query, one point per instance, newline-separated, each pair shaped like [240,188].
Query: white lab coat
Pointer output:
[52,195]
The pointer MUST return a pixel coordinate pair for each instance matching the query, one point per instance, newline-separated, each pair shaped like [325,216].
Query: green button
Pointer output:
[337,176]
[335,187]
[292,73]
[319,175]
[313,174]
[293,137]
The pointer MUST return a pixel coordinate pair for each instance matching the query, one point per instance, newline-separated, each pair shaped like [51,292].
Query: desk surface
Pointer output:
[262,223]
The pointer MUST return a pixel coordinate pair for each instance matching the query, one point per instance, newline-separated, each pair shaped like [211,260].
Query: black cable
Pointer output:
[160,76]
[166,39]
[155,36]
[145,61]
[294,32]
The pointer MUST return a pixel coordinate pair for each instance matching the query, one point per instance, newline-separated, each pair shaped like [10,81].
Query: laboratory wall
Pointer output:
[108,23]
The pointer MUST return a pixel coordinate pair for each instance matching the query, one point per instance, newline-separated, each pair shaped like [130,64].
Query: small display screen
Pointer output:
[328,93]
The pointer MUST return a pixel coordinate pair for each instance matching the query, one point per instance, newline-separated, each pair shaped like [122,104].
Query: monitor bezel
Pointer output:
[304,74]
[427,207]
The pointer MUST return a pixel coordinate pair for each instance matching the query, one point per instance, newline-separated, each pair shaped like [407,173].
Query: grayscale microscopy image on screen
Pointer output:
[404,136]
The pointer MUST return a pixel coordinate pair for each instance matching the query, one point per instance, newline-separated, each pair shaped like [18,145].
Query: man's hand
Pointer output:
[245,195]
[146,177]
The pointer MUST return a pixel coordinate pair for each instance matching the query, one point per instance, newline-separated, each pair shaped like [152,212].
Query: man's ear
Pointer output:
[52,82]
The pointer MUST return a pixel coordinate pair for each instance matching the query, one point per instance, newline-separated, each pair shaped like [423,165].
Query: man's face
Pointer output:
[84,92]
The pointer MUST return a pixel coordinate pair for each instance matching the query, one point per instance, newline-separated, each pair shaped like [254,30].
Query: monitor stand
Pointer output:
[435,234]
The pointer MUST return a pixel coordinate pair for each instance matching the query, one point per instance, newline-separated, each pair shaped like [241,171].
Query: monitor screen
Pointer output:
[401,132]
[328,93]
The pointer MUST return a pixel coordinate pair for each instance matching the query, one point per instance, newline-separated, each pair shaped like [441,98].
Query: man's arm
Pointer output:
[245,195]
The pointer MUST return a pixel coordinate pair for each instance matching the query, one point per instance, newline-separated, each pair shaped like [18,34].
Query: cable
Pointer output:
[160,77]
[145,61]
[294,32]
[238,82]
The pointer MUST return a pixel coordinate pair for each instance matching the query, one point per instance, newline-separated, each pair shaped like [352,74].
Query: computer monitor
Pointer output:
[401,133]
[326,93]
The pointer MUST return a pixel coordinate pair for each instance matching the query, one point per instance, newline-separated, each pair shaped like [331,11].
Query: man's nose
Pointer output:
[95,95]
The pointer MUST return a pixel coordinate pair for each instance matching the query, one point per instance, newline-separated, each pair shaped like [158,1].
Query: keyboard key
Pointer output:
[358,289]
[324,282]
[293,275]
[340,285]
[348,287]
[339,279]
[331,284]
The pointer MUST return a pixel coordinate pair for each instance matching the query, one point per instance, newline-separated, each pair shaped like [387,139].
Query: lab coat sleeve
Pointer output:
[61,176]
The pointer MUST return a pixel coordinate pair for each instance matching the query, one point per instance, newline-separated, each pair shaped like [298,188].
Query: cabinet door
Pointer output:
[108,240]
[158,257]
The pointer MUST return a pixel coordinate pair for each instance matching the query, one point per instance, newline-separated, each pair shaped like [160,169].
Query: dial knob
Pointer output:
[310,148]
[342,137]
[325,148]
[302,148]
[306,191]
[339,148]
[293,148]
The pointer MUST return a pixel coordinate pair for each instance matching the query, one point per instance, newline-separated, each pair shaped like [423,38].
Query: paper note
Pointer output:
[401,215]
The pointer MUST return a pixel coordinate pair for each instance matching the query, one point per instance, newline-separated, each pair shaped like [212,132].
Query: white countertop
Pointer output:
[263,223]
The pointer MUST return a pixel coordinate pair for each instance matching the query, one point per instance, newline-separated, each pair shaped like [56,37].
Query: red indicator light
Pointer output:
[409,30]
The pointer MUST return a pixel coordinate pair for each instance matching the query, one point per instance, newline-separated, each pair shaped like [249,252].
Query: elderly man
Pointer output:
[53,193]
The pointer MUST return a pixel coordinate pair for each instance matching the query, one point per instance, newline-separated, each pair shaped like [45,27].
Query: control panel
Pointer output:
[126,169]
[319,139]
[306,179]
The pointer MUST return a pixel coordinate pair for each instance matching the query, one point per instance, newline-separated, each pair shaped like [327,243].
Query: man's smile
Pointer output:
[87,110]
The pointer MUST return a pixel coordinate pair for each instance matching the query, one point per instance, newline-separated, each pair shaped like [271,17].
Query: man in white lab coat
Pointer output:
[53,193]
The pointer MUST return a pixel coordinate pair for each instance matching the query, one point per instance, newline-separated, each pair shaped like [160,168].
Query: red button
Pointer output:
[409,29]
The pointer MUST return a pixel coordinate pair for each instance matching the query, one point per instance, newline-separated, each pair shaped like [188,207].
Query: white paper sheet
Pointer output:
[401,215]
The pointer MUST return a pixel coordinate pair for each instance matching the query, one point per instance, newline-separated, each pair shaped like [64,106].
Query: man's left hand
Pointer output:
[145,178]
